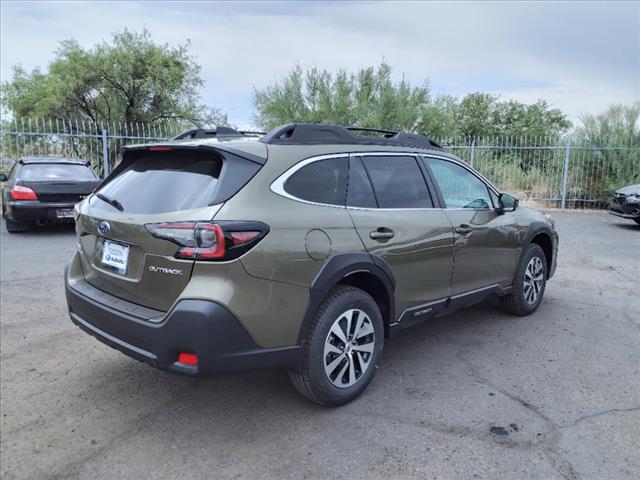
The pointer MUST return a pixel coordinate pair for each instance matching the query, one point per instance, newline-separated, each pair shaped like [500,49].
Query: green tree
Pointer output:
[483,115]
[618,126]
[476,115]
[131,79]
[366,98]
[614,138]
[438,118]
[530,122]
[369,97]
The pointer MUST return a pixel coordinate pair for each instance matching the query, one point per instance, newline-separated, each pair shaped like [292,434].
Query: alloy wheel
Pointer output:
[533,280]
[348,348]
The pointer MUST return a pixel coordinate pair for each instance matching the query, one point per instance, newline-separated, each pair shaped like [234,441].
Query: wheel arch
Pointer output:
[361,270]
[540,234]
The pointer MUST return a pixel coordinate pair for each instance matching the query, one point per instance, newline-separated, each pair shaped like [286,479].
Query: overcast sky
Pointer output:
[580,57]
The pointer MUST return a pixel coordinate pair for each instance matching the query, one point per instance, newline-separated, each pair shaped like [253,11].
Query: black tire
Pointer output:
[516,302]
[312,382]
[14,227]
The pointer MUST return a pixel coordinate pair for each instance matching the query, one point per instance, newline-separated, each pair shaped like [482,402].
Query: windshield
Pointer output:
[161,182]
[40,172]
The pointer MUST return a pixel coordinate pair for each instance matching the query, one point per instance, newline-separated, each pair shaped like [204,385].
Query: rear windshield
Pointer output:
[56,171]
[161,182]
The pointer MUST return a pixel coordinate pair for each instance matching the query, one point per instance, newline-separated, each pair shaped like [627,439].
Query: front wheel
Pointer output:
[341,349]
[529,282]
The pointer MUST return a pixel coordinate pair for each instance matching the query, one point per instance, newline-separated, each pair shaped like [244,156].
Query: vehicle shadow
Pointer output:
[55,229]
[237,399]
[628,226]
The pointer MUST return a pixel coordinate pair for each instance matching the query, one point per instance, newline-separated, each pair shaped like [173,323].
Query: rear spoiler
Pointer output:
[213,147]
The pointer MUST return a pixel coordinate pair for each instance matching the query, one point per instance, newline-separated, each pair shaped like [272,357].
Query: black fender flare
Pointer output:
[535,229]
[338,267]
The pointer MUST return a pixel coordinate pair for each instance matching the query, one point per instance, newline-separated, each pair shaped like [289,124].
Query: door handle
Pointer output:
[463,229]
[382,234]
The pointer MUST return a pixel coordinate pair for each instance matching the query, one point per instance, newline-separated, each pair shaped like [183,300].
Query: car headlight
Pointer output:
[550,219]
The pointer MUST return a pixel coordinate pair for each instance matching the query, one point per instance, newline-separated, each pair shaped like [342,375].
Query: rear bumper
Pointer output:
[32,211]
[203,327]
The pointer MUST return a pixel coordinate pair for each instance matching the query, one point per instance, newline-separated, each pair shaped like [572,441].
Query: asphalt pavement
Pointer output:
[478,394]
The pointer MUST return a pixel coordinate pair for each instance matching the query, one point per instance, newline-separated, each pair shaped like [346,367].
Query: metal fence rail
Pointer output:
[555,173]
[99,143]
[540,171]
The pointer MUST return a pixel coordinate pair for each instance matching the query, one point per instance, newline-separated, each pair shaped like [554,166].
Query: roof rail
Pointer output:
[215,133]
[387,133]
[315,133]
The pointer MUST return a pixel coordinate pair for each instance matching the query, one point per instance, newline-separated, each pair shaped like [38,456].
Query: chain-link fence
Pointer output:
[99,143]
[553,172]
[540,171]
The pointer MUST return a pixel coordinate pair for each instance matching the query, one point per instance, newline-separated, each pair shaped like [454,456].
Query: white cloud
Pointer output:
[577,56]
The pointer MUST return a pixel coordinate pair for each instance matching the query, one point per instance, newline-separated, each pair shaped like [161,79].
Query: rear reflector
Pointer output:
[159,149]
[188,358]
[19,192]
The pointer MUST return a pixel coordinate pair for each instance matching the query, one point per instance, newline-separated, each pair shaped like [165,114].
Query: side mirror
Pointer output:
[3,177]
[508,203]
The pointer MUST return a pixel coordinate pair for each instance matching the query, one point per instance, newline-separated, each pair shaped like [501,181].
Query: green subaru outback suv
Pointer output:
[304,249]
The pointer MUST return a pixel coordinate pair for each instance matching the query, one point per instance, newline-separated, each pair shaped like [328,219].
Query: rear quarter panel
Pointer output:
[283,255]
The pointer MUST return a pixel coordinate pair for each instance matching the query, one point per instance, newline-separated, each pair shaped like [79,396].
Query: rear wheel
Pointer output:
[14,227]
[341,349]
[529,282]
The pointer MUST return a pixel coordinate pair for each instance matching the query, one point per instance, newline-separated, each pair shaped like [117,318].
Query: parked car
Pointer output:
[43,190]
[626,203]
[304,250]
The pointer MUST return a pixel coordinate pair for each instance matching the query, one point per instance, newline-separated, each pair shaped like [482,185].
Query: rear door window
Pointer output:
[42,172]
[359,193]
[322,181]
[161,182]
[397,181]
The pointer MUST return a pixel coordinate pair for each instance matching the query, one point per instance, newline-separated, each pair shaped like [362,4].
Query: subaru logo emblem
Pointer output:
[104,227]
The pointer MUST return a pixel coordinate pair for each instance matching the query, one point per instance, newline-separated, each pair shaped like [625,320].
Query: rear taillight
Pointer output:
[223,240]
[20,192]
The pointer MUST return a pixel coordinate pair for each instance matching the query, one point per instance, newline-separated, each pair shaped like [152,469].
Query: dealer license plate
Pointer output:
[116,256]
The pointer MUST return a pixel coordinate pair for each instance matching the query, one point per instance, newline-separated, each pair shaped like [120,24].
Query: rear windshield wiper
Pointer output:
[111,201]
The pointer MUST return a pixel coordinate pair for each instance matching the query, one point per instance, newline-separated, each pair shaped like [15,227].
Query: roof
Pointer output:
[321,134]
[65,160]
[309,139]
[217,132]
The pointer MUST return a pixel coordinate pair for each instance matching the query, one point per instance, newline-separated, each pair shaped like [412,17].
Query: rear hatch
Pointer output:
[66,183]
[152,186]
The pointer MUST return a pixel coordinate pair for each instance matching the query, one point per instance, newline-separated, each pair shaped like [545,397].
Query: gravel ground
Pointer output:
[478,394]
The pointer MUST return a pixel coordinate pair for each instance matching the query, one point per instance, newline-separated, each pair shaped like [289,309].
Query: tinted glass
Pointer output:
[359,192]
[398,182]
[460,188]
[41,172]
[324,181]
[165,182]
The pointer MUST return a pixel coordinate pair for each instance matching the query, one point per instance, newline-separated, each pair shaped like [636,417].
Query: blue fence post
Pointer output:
[565,174]
[472,155]
[105,152]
